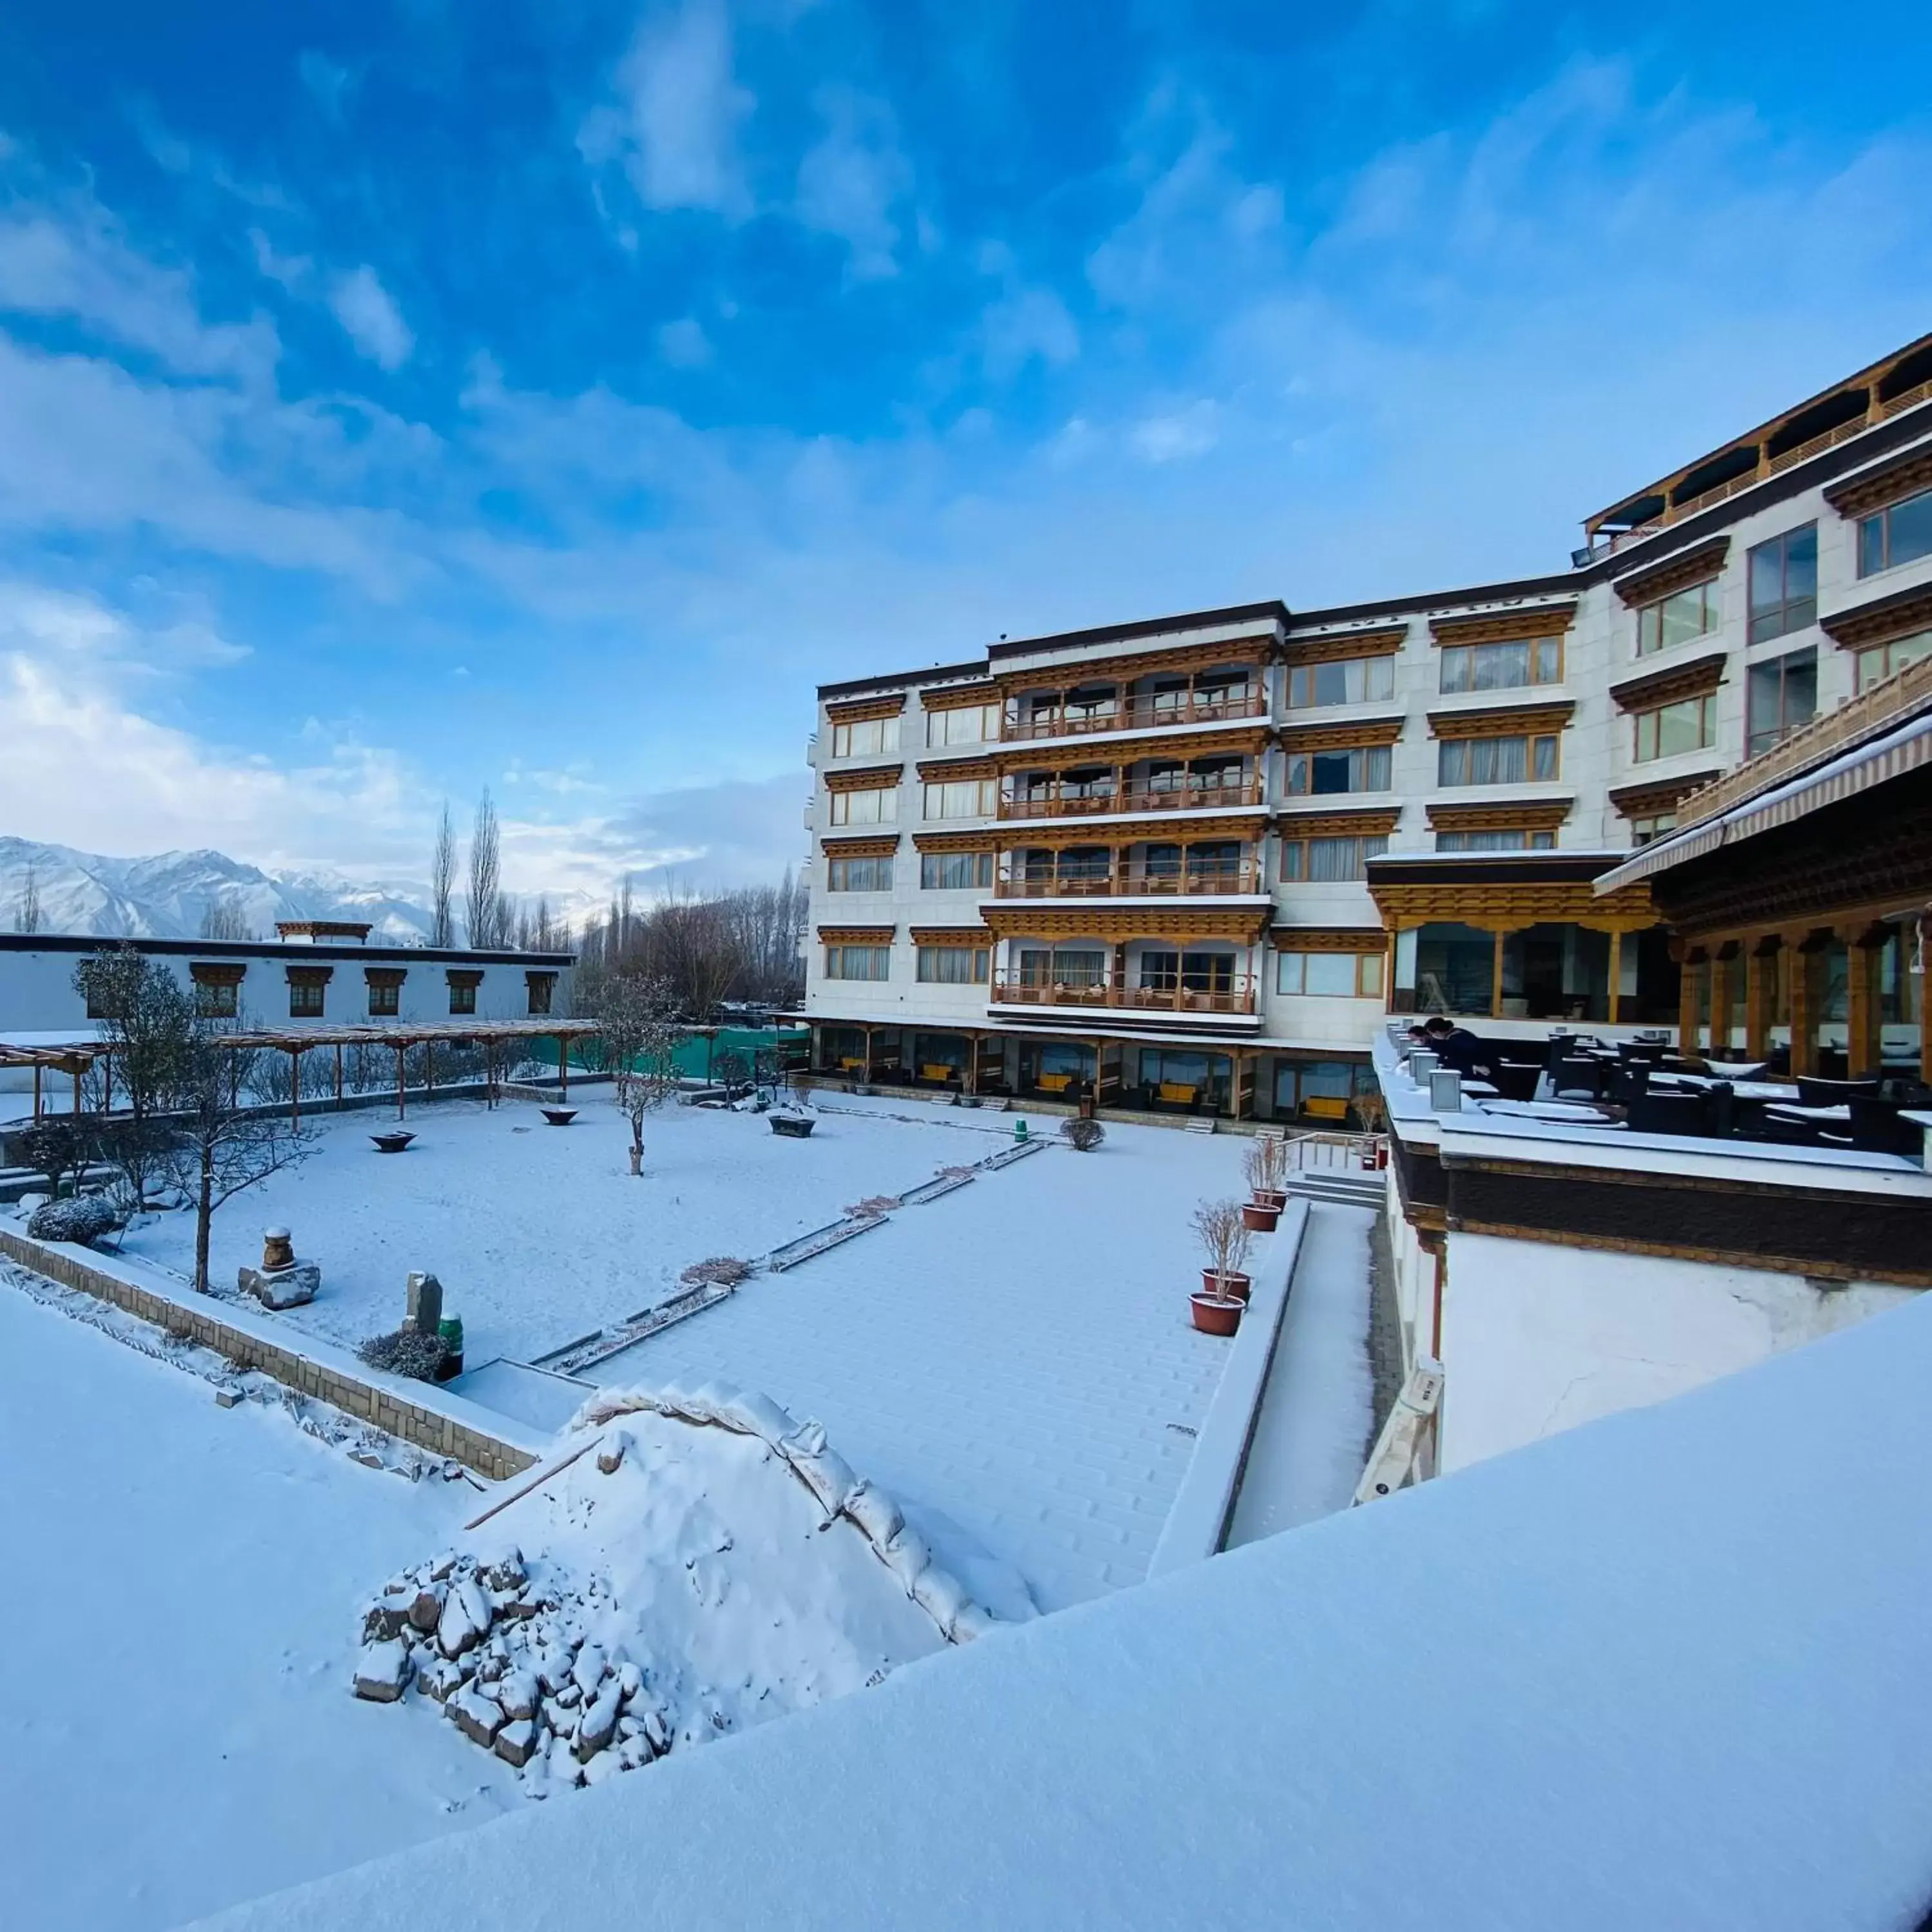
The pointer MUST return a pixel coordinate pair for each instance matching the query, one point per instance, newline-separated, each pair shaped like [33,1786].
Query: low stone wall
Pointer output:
[413,1410]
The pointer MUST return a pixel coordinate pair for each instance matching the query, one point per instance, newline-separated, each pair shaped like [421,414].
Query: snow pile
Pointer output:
[699,1562]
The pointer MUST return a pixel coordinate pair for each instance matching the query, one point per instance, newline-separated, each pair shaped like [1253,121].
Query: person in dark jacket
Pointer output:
[1458,1047]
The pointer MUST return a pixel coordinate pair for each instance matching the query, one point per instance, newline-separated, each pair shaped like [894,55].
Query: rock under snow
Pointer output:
[381,1671]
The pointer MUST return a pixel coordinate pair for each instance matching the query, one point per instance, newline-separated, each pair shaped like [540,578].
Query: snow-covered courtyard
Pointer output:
[1013,1360]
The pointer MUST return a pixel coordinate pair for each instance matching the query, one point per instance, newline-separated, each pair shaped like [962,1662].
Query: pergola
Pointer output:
[74,1057]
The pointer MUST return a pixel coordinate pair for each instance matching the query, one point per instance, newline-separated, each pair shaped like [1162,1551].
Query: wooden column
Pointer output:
[1760,996]
[106,1085]
[429,1069]
[338,1073]
[402,1104]
[1616,972]
[36,1090]
[1864,1050]
[868,1033]
[1686,1003]
[973,1062]
[563,1064]
[1804,1003]
[295,1086]
[1721,1000]
[1496,978]
[76,1087]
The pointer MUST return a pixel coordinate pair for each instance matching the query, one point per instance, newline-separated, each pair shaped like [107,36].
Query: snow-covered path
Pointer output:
[1311,1436]
[179,1733]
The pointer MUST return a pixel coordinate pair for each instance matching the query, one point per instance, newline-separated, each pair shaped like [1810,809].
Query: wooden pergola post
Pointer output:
[402,1103]
[77,1065]
[973,1062]
[106,1085]
[429,1069]
[36,1090]
[295,1086]
[868,1032]
[563,1063]
[338,1073]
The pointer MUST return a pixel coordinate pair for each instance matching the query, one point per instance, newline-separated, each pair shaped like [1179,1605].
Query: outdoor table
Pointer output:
[1547,1110]
[1478,1086]
[1790,1110]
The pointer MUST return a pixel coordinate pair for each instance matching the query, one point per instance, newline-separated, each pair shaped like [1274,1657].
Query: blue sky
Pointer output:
[396,399]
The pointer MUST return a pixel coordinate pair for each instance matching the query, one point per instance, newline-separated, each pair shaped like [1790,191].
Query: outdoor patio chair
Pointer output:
[1578,1079]
[1814,1093]
[1630,1082]
[1877,1129]
[1516,1079]
[1669,1113]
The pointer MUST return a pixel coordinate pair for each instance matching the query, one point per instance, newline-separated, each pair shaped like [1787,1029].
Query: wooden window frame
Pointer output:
[842,728]
[1787,625]
[1449,749]
[1710,607]
[1706,703]
[1467,653]
[1368,974]
[838,877]
[979,965]
[840,950]
[841,813]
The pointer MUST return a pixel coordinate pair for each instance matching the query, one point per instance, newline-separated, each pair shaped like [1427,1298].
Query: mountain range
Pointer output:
[167,896]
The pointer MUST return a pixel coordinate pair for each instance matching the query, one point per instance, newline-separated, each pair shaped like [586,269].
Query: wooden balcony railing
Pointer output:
[1234,995]
[1055,803]
[1216,881]
[1135,714]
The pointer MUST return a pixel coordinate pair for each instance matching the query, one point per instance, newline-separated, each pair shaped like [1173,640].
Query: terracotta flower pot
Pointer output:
[1261,1216]
[1215,1317]
[1276,1198]
[1237,1286]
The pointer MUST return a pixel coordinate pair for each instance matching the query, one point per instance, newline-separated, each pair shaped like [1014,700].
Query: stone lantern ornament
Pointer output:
[281,1281]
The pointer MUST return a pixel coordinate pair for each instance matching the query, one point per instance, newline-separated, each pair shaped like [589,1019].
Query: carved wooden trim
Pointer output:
[1502,721]
[1248,739]
[1019,920]
[385,976]
[872,778]
[1252,651]
[1697,678]
[1381,644]
[987,841]
[1697,566]
[1872,490]
[1885,618]
[1364,734]
[1509,905]
[857,710]
[1646,801]
[1525,815]
[857,935]
[952,935]
[860,848]
[959,697]
[314,976]
[956,771]
[1378,822]
[1329,939]
[1503,627]
[464,976]
[216,972]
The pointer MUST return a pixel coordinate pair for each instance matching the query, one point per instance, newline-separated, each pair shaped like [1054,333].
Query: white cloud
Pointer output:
[367,312]
[684,344]
[327,82]
[1022,326]
[293,272]
[674,124]
[851,180]
[1191,431]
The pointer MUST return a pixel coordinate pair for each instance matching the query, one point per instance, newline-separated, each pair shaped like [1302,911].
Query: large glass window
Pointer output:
[1343,976]
[953,965]
[1511,761]
[859,875]
[956,872]
[1651,825]
[1320,1090]
[865,737]
[1350,681]
[1896,534]
[962,798]
[858,962]
[1677,619]
[1783,580]
[1363,768]
[1877,662]
[1160,969]
[1329,861]
[1504,667]
[969,725]
[1455,968]
[1063,966]
[1494,839]
[1687,726]
[865,808]
[1780,694]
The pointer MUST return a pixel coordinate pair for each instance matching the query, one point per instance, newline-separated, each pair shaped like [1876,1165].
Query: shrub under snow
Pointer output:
[404,1352]
[84,1219]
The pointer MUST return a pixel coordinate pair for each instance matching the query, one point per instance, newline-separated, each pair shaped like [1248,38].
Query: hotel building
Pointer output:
[1187,863]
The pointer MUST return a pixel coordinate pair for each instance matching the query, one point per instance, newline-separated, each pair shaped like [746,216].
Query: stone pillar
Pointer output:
[423,1307]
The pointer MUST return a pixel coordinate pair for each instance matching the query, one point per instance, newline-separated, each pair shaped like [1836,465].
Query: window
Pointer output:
[962,798]
[859,875]
[865,737]
[879,807]
[1475,761]
[1897,534]
[1334,975]
[305,999]
[1651,825]
[1502,667]
[1678,618]
[1161,971]
[463,992]
[969,725]
[1687,726]
[541,985]
[1877,662]
[1328,861]
[1063,966]
[1508,839]
[956,872]
[1366,768]
[954,965]
[215,999]
[1780,694]
[1783,580]
[1351,681]
[858,962]
[1320,1090]
[385,999]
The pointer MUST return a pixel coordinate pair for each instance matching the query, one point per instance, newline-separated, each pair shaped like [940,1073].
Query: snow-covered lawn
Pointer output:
[180,1622]
[541,1234]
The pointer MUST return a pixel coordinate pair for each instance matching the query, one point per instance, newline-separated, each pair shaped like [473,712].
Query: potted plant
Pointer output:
[1267,1175]
[1225,1288]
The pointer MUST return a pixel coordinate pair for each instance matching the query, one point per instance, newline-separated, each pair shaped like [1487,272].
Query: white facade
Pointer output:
[1605,700]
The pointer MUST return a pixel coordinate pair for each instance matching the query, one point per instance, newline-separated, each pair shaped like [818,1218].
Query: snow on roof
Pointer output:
[1671,1669]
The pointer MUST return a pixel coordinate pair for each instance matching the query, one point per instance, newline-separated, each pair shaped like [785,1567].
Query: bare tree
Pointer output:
[219,1146]
[691,943]
[486,871]
[27,919]
[503,927]
[223,918]
[543,928]
[442,882]
[640,1039]
[147,1023]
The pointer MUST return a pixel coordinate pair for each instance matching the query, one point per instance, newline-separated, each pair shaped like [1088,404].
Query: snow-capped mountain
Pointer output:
[168,895]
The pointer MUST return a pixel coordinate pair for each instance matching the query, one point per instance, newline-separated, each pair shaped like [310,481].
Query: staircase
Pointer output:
[1343,1187]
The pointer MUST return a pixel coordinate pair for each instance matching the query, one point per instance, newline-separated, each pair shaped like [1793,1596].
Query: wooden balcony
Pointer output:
[1235,994]
[1219,881]
[1056,803]
[1135,714]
